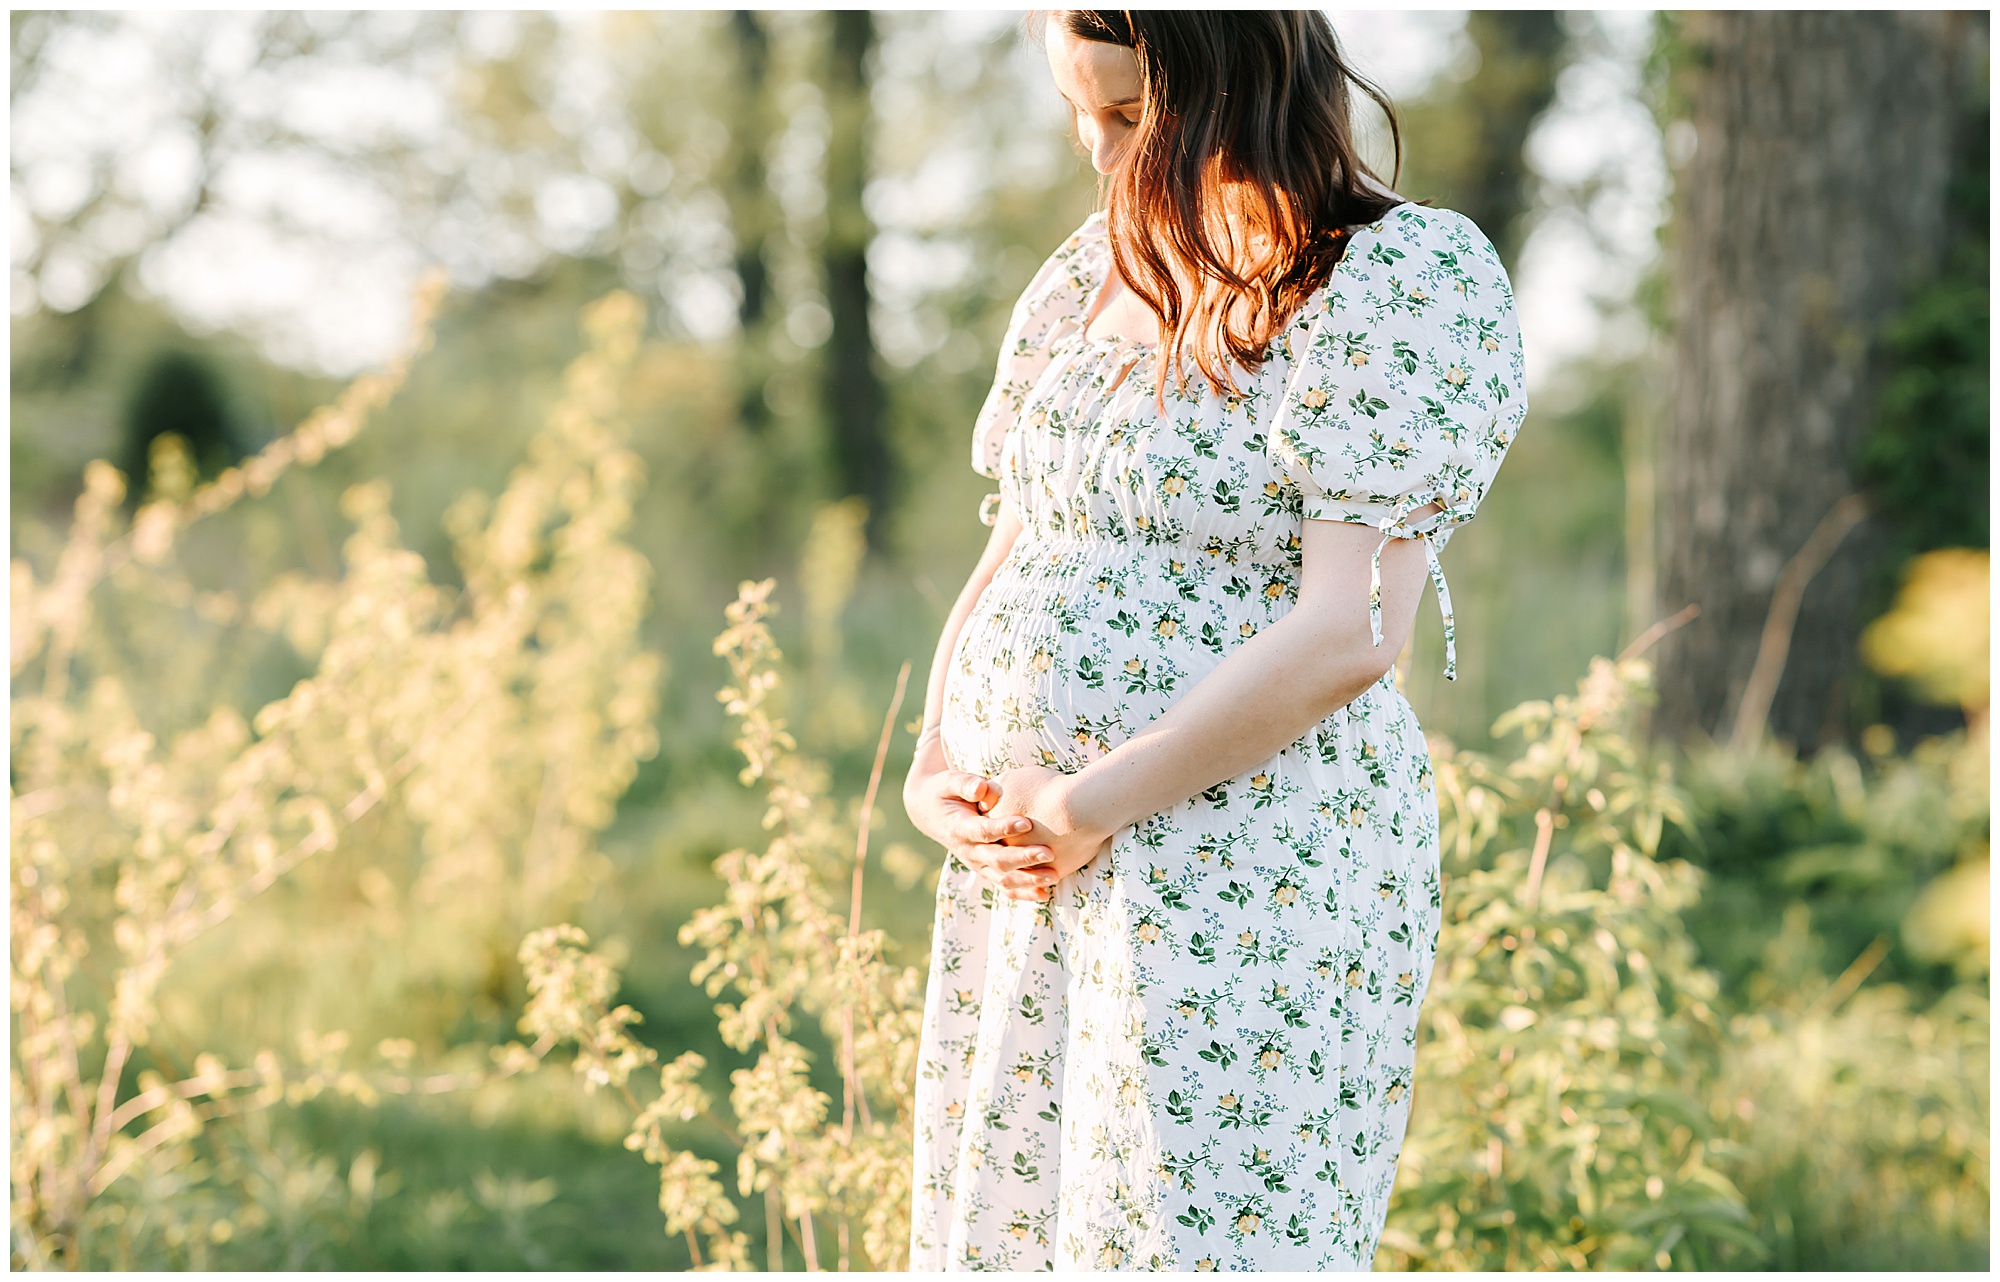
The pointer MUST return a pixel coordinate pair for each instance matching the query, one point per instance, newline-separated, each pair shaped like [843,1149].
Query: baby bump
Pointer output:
[1001,695]
[1073,648]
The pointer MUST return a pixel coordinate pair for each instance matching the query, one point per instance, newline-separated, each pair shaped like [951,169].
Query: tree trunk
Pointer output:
[752,212]
[1520,52]
[853,386]
[1814,201]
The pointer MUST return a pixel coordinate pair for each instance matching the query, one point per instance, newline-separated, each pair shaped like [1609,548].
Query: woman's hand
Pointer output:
[1040,796]
[950,807]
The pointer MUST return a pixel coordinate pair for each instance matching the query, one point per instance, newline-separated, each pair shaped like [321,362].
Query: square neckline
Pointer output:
[1093,297]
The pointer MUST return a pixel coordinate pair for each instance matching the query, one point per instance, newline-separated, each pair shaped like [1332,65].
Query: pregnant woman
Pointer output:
[1192,898]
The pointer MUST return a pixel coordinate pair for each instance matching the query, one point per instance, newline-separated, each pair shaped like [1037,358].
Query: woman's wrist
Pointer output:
[928,757]
[1083,808]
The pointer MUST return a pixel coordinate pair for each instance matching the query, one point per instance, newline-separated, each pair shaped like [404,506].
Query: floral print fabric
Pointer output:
[1198,1054]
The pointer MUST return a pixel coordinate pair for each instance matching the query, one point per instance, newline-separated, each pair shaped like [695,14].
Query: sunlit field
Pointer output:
[467,644]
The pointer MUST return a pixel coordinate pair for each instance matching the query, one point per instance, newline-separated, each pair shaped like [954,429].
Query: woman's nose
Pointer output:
[1106,149]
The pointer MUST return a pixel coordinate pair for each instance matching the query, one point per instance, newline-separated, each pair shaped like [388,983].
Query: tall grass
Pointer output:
[295,857]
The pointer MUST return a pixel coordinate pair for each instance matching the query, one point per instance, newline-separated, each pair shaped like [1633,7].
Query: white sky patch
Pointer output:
[1402,50]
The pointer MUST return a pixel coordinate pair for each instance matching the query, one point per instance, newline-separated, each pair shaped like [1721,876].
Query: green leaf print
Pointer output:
[1258,1163]
[1278,500]
[1410,303]
[1251,948]
[1290,1008]
[1220,1054]
[1193,1003]
[1197,1218]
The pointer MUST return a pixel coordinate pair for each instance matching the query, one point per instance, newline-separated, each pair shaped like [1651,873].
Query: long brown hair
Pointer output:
[1245,137]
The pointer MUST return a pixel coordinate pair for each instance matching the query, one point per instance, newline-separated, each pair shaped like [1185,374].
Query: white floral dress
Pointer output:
[1198,1055]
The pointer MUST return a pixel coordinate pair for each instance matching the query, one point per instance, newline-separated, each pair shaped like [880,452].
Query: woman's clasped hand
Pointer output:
[1015,831]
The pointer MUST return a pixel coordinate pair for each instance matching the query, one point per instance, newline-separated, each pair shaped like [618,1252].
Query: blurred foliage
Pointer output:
[1939,634]
[175,905]
[1587,1097]
[1628,1065]
[782,945]
[1928,460]
[1889,846]
[1704,1050]
[1858,1118]
[1466,135]
[1855,843]
[1558,1120]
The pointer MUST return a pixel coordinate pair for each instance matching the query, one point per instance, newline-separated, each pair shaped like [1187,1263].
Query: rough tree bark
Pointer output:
[1813,203]
[853,385]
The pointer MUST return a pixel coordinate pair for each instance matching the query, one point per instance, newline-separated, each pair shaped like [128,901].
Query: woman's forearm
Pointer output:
[1264,697]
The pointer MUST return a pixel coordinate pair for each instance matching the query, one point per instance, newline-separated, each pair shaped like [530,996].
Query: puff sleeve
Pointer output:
[1405,389]
[1049,307]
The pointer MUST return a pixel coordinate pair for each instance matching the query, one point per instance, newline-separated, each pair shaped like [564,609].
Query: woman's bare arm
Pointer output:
[1261,699]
